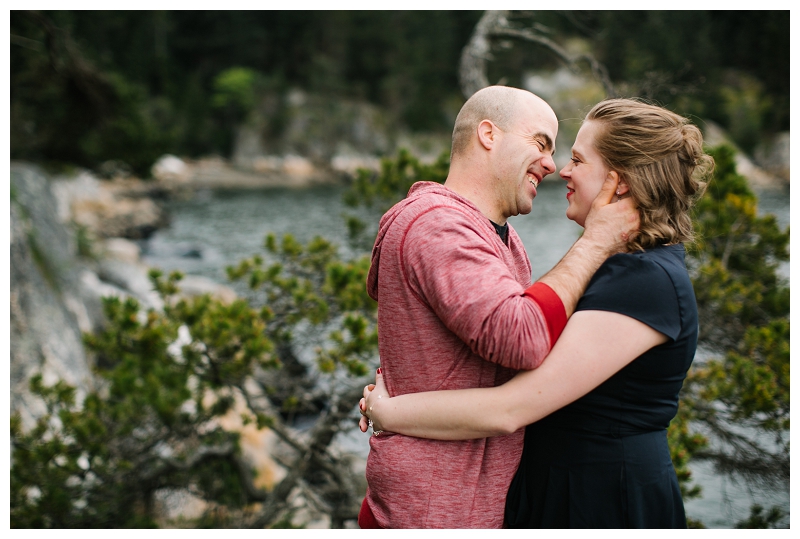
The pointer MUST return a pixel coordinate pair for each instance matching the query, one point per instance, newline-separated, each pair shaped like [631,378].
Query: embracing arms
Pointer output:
[585,356]
[458,274]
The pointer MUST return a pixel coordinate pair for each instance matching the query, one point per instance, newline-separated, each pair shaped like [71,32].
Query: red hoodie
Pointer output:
[452,313]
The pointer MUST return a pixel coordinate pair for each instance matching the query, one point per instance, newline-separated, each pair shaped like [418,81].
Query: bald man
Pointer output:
[456,308]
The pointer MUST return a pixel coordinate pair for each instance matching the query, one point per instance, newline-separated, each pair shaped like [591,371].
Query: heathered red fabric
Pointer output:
[449,293]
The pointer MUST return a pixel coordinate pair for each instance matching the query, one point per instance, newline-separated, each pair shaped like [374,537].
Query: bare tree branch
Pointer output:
[472,67]
[314,468]
[204,453]
[495,24]
[743,456]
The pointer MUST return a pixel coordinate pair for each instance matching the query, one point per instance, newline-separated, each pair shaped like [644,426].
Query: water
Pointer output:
[218,228]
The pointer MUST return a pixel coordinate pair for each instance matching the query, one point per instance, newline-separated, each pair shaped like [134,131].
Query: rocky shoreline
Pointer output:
[58,281]
[73,243]
[74,240]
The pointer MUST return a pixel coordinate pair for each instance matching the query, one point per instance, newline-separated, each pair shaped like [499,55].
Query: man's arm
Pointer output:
[453,264]
[607,229]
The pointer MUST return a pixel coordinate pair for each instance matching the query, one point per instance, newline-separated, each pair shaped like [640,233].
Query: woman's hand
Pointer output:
[368,405]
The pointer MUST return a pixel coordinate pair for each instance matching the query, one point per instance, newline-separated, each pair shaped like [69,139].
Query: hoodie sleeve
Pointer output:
[453,267]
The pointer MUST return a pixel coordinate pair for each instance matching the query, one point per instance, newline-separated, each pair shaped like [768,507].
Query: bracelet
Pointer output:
[374,432]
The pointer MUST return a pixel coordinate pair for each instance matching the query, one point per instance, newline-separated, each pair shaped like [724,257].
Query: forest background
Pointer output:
[113,91]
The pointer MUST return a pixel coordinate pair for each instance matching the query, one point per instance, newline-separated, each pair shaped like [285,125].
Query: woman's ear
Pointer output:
[622,185]
[487,134]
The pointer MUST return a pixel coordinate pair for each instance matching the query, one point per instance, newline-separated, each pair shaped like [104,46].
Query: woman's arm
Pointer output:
[593,346]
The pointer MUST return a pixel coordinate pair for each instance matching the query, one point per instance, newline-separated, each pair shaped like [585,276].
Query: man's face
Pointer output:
[524,157]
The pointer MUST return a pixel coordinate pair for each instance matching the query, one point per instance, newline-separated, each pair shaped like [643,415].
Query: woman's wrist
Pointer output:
[375,411]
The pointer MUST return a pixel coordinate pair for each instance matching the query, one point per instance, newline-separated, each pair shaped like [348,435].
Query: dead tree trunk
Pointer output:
[495,24]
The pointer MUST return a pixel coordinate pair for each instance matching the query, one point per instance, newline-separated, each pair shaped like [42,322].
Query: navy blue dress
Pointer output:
[603,461]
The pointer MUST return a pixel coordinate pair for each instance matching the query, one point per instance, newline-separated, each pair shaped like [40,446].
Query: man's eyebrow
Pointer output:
[548,142]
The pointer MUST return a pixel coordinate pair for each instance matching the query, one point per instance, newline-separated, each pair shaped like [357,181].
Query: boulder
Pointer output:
[121,249]
[195,285]
[107,216]
[773,155]
[759,178]
[170,168]
[104,208]
[132,278]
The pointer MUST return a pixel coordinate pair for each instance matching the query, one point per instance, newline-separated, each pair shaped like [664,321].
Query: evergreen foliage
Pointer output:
[739,396]
[92,86]
[166,380]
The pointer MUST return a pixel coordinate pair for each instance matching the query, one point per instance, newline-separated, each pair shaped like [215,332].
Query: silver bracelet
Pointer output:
[374,432]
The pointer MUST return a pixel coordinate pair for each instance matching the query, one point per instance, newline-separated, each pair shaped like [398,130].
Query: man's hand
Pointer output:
[607,229]
[610,225]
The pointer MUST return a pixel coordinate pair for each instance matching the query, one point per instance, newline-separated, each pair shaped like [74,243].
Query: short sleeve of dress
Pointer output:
[635,286]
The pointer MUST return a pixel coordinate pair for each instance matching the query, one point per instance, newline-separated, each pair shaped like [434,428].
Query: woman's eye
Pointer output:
[575,160]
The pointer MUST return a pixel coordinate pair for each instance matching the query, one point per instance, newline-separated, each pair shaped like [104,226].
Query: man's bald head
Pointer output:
[498,104]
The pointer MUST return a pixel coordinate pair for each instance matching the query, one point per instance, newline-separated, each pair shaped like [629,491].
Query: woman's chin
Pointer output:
[577,220]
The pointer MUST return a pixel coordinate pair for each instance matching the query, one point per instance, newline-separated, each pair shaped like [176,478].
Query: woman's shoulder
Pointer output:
[665,261]
[648,286]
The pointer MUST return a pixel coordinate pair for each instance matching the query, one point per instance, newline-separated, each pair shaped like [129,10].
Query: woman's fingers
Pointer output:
[367,389]
[364,404]
[379,385]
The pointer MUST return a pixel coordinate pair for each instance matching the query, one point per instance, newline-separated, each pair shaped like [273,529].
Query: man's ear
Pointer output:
[487,134]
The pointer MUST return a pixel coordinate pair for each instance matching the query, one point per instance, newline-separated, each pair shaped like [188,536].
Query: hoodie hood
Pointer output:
[418,191]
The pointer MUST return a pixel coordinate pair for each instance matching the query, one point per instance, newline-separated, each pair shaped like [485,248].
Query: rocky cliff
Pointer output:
[48,307]
[71,245]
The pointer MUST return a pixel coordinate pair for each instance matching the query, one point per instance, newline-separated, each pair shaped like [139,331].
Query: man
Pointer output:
[456,309]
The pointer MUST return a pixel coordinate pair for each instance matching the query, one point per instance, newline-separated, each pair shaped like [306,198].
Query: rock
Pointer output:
[291,171]
[67,191]
[104,208]
[172,504]
[114,169]
[298,167]
[266,163]
[169,168]
[46,320]
[133,279]
[314,129]
[195,285]
[121,249]
[774,155]
[350,164]
[714,135]
[92,291]
[107,216]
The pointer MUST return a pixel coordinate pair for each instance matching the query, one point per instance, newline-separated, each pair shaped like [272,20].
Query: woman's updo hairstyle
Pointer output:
[660,156]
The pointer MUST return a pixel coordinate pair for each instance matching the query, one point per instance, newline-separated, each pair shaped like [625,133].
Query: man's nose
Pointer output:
[548,164]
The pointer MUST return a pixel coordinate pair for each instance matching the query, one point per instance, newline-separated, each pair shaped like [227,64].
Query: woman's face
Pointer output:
[584,174]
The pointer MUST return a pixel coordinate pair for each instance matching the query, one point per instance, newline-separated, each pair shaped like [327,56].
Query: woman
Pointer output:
[597,409]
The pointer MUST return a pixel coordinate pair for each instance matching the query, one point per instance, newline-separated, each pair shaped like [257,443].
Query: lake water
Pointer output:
[218,228]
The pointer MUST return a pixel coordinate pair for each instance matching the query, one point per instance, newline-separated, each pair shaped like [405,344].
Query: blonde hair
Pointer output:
[495,103]
[660,156]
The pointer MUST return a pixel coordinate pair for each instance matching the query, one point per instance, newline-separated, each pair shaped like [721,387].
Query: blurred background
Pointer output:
[253,153]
